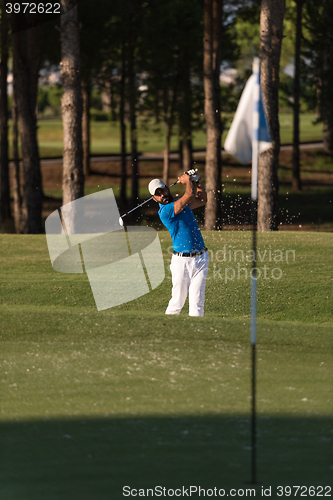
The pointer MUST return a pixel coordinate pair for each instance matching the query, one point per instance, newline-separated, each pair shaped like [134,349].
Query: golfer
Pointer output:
[189,263]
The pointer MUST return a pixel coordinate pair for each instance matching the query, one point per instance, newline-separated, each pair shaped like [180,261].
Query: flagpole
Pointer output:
[254,197]
[248,136]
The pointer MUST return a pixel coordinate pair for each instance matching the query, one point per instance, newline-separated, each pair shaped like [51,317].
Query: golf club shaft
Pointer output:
[143,203]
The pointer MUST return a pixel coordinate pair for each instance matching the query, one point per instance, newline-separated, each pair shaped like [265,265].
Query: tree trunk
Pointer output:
[187,153]
[180,153]
[296,182]
[318,99]
[86,128]
[271,26]
[185,119]
[132,112]
[106,96]
[4,170]
[328,137]
[169,119]
[326,91]
[16,175]
[123,196]
[166,155]
[135,159]
[71,108]
[26,63]
[211,63]
[113,101]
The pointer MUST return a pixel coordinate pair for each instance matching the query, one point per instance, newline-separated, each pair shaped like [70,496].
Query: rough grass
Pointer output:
[93,401]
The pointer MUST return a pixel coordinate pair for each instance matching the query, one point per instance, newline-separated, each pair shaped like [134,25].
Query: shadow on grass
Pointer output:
[94,458]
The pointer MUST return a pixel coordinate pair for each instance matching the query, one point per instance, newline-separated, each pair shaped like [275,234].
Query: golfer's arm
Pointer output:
[200,197]
[186,199]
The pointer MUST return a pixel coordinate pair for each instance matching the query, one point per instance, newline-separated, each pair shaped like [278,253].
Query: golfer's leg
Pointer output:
[180,284]
[198,286]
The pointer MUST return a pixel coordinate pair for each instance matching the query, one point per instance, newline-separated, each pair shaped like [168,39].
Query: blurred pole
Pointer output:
[254,197]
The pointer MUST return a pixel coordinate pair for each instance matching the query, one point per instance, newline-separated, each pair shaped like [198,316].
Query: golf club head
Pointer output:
[121,222]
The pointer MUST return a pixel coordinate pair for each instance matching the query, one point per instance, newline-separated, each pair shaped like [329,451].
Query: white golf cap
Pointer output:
[155,184]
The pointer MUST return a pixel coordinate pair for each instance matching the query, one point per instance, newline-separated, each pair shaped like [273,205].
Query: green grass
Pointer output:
[317,161]
[93,401]
[105,136]
[309,129]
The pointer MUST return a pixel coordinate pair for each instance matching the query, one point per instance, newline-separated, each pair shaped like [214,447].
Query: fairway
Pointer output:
[105,136]
[94,401]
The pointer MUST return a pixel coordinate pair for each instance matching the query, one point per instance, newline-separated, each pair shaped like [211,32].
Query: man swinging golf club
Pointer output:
[189,263]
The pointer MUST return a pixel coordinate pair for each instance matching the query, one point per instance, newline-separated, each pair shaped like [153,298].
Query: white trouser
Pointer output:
[188,277]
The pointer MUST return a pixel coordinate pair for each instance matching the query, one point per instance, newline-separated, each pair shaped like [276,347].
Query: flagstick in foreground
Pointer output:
[249,136]
[254,197]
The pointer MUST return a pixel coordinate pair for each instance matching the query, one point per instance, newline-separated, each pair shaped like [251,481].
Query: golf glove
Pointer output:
[195,177]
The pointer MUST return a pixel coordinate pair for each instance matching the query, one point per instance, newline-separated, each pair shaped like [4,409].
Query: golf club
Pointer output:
[121,222]
[192,172]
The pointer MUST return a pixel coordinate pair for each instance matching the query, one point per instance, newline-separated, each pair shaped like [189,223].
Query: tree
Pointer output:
[169,99]
[122,102]
[319,22]
[93,17]
[162,64]
[32,37]
[118,73]
[271,32]
[132,83]
[71,106]
[16,175]
[170,56]
[26,63]
[86,128]
[114,72]
[133,18]
[190,104]
[4,170]
[211,64]
[296,182]
[246,33]
[185,118]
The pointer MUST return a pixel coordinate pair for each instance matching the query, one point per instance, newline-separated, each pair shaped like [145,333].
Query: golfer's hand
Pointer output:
[184,179]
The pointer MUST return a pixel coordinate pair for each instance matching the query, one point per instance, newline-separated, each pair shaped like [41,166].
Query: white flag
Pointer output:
[239,139]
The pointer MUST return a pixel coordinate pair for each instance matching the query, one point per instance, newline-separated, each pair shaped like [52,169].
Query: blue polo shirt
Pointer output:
[183,228]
